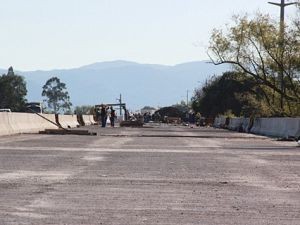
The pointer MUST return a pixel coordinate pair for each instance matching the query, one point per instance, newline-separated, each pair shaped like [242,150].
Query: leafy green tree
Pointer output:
[57,96]
[232,92]
[255,47]
[12,91]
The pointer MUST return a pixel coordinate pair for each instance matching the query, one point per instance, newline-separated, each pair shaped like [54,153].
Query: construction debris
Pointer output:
[135,123]
[67,132]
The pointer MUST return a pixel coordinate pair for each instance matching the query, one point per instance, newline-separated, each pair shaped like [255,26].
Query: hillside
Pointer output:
[140,84]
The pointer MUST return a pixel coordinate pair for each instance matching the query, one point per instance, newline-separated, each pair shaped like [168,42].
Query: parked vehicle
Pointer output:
[34,107]
[5,110]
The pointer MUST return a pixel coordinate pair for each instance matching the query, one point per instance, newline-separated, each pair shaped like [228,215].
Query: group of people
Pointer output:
[195,118]
[106,112]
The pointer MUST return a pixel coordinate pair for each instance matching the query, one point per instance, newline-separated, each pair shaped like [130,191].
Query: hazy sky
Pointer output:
[48,34]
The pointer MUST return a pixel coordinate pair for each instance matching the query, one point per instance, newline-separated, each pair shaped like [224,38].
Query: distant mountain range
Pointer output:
[139,84]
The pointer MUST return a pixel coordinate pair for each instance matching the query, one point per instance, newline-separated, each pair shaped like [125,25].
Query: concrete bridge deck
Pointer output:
[159,175]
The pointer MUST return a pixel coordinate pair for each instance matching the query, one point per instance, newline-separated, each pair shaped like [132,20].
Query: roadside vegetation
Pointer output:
[12,91]
[265,69]
[56,96]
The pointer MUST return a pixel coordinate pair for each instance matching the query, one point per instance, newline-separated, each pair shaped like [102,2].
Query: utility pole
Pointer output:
[120,102]
[282,6]
[187,99]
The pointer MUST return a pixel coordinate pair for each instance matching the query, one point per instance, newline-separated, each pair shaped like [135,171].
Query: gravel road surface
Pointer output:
[155,175]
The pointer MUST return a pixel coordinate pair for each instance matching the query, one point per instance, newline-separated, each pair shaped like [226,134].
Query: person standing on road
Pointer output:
[112,117]
[98,115]
[191,119]
[103,114]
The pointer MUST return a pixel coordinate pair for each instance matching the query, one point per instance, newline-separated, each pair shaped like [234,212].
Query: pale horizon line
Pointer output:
[99,62]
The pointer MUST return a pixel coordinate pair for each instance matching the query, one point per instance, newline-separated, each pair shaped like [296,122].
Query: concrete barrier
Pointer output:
[223,121]
[220,122]
[245,124]
[5,128]
[18,123]
[80,120]
[86,120]
[68,121]
[216,122]
[25,122]
[235,124]
[93,122]
[277,127]
[292,128]
[47,124]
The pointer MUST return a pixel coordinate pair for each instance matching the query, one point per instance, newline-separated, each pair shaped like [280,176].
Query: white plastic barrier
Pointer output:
[68,121]
[235,124]
[277,127]
[86,120]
